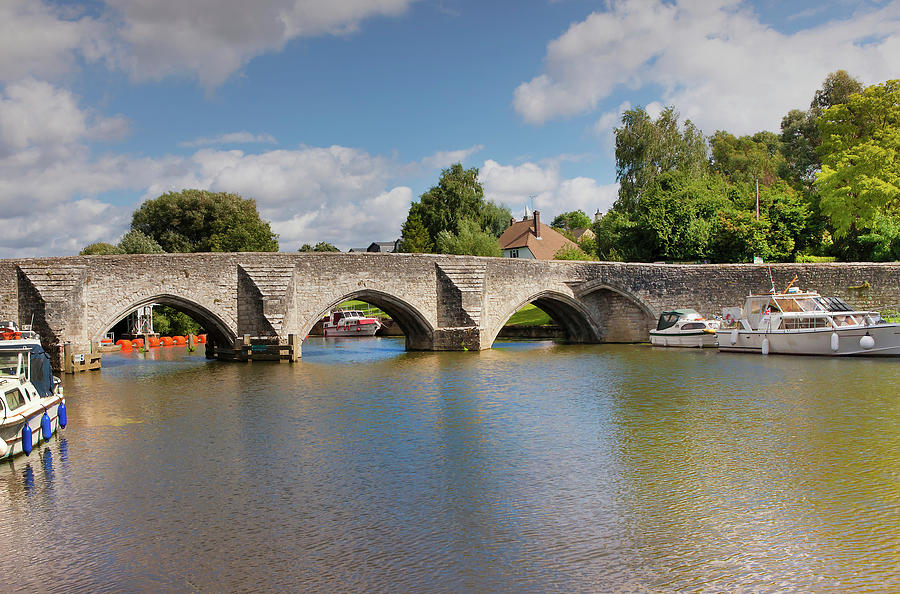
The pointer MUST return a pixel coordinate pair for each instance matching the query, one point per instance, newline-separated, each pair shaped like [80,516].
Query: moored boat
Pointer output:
[799,322]
[350,322]
[32,405]
[684,328]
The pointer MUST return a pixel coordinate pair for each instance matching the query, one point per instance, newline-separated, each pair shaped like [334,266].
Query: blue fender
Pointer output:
[46,426]
[27,444]
[61,414]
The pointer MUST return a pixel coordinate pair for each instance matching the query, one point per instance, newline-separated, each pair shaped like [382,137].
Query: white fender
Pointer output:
[734,336]
[765,346]
[867,341]
[835,342]
[4,448]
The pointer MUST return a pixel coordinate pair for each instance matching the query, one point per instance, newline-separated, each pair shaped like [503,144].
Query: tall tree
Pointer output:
[860,177]
[321,246]
[646,148]
[748,158]
[575,219]
[458,197]
[800,137]
[202,221]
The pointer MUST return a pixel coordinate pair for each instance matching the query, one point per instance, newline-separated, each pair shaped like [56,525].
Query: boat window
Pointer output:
[833,304]
[804,322]
[667,320]
[9,363]
[693,326]
[760,304]
[788,305]
[14,399]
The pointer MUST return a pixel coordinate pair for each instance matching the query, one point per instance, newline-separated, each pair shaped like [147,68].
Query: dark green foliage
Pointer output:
[202,221]
[321,246]
[458,197]
[567,221]
[135,242]
[171,322]
[646,148]
[470,240]
[100,249]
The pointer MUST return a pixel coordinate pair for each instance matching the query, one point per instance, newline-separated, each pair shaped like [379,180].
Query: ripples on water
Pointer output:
[530,467]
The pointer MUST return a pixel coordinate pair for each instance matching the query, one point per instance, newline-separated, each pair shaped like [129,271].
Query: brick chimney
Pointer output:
[537,224]
[512,221]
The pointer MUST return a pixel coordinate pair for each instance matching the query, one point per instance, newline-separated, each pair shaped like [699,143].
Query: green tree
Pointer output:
[100,249]
[568,221]
[860,178]
[202,221]
[800,135]
[569,252]
[471,240]
[646,148]
[135,242]
[168,321]
[748,158]
[321,246]
[458,197]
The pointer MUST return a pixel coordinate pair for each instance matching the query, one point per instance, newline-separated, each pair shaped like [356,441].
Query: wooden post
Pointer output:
[67,358]
[294,343]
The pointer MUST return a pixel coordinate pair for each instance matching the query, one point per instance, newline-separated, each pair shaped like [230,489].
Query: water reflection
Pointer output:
[530,467]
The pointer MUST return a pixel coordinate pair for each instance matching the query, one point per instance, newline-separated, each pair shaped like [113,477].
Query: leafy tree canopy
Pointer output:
[860,178]
[202,221]
[319,247]
[646,148]
[100,249]
[575,219]
[748,158]
[471,240]
[458,197]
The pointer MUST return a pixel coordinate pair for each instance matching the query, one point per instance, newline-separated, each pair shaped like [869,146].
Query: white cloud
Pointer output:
[543,187]
[37,39]
[212,39]
[715,61]
[231,138]
[443,159]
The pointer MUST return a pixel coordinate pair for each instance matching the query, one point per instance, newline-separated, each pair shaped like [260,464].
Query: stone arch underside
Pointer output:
[622,316]
[219,330]
[576,321]
[416,328]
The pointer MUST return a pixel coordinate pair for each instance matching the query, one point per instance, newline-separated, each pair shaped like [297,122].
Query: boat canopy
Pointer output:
[41,375]
[667,319]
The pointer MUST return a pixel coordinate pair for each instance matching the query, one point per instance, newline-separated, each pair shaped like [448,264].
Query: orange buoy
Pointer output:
[179,340]
[154,341]
[166,340]
[106,340]
[137,342]
[125,344]
[202,338]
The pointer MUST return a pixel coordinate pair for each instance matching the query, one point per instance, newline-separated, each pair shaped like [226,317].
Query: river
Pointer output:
[531,467]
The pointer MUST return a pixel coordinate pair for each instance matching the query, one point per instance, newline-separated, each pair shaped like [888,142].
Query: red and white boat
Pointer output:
[350,322]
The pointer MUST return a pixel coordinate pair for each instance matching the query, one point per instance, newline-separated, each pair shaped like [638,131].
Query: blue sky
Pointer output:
[335,114]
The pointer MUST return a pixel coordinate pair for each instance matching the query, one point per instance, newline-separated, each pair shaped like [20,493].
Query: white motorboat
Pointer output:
[684,328]
[799,322]
[32,405]
[350,322]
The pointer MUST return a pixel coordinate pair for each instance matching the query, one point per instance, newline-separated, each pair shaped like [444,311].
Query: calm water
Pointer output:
[531,467]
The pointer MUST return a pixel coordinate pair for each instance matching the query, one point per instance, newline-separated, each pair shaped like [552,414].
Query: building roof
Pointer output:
[582,232]
[521,234]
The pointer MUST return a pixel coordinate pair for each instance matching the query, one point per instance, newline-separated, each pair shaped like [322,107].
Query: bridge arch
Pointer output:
[418,331]
[623,316]
[219,330]
[576,321]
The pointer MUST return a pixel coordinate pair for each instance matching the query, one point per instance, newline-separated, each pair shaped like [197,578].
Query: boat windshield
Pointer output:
[797,304]
[9,363]
[833,304]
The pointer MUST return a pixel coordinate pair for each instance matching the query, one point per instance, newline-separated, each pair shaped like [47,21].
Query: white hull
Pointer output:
[816,341]
[11,429]
[354,330]
[683,340]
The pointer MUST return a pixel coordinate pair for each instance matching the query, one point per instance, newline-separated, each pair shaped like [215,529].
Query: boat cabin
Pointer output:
[797,310]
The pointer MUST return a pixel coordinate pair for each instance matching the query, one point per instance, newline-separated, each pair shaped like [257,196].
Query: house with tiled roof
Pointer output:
[530,238]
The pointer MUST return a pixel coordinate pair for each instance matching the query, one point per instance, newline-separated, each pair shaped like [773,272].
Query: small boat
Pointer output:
[350,322]
[684,328]
[797,322]
[32,405]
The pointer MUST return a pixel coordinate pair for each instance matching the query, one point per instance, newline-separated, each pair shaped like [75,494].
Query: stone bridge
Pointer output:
[440,302]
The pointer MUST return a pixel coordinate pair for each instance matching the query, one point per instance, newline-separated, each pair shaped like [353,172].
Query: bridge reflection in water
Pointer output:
[530,467]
